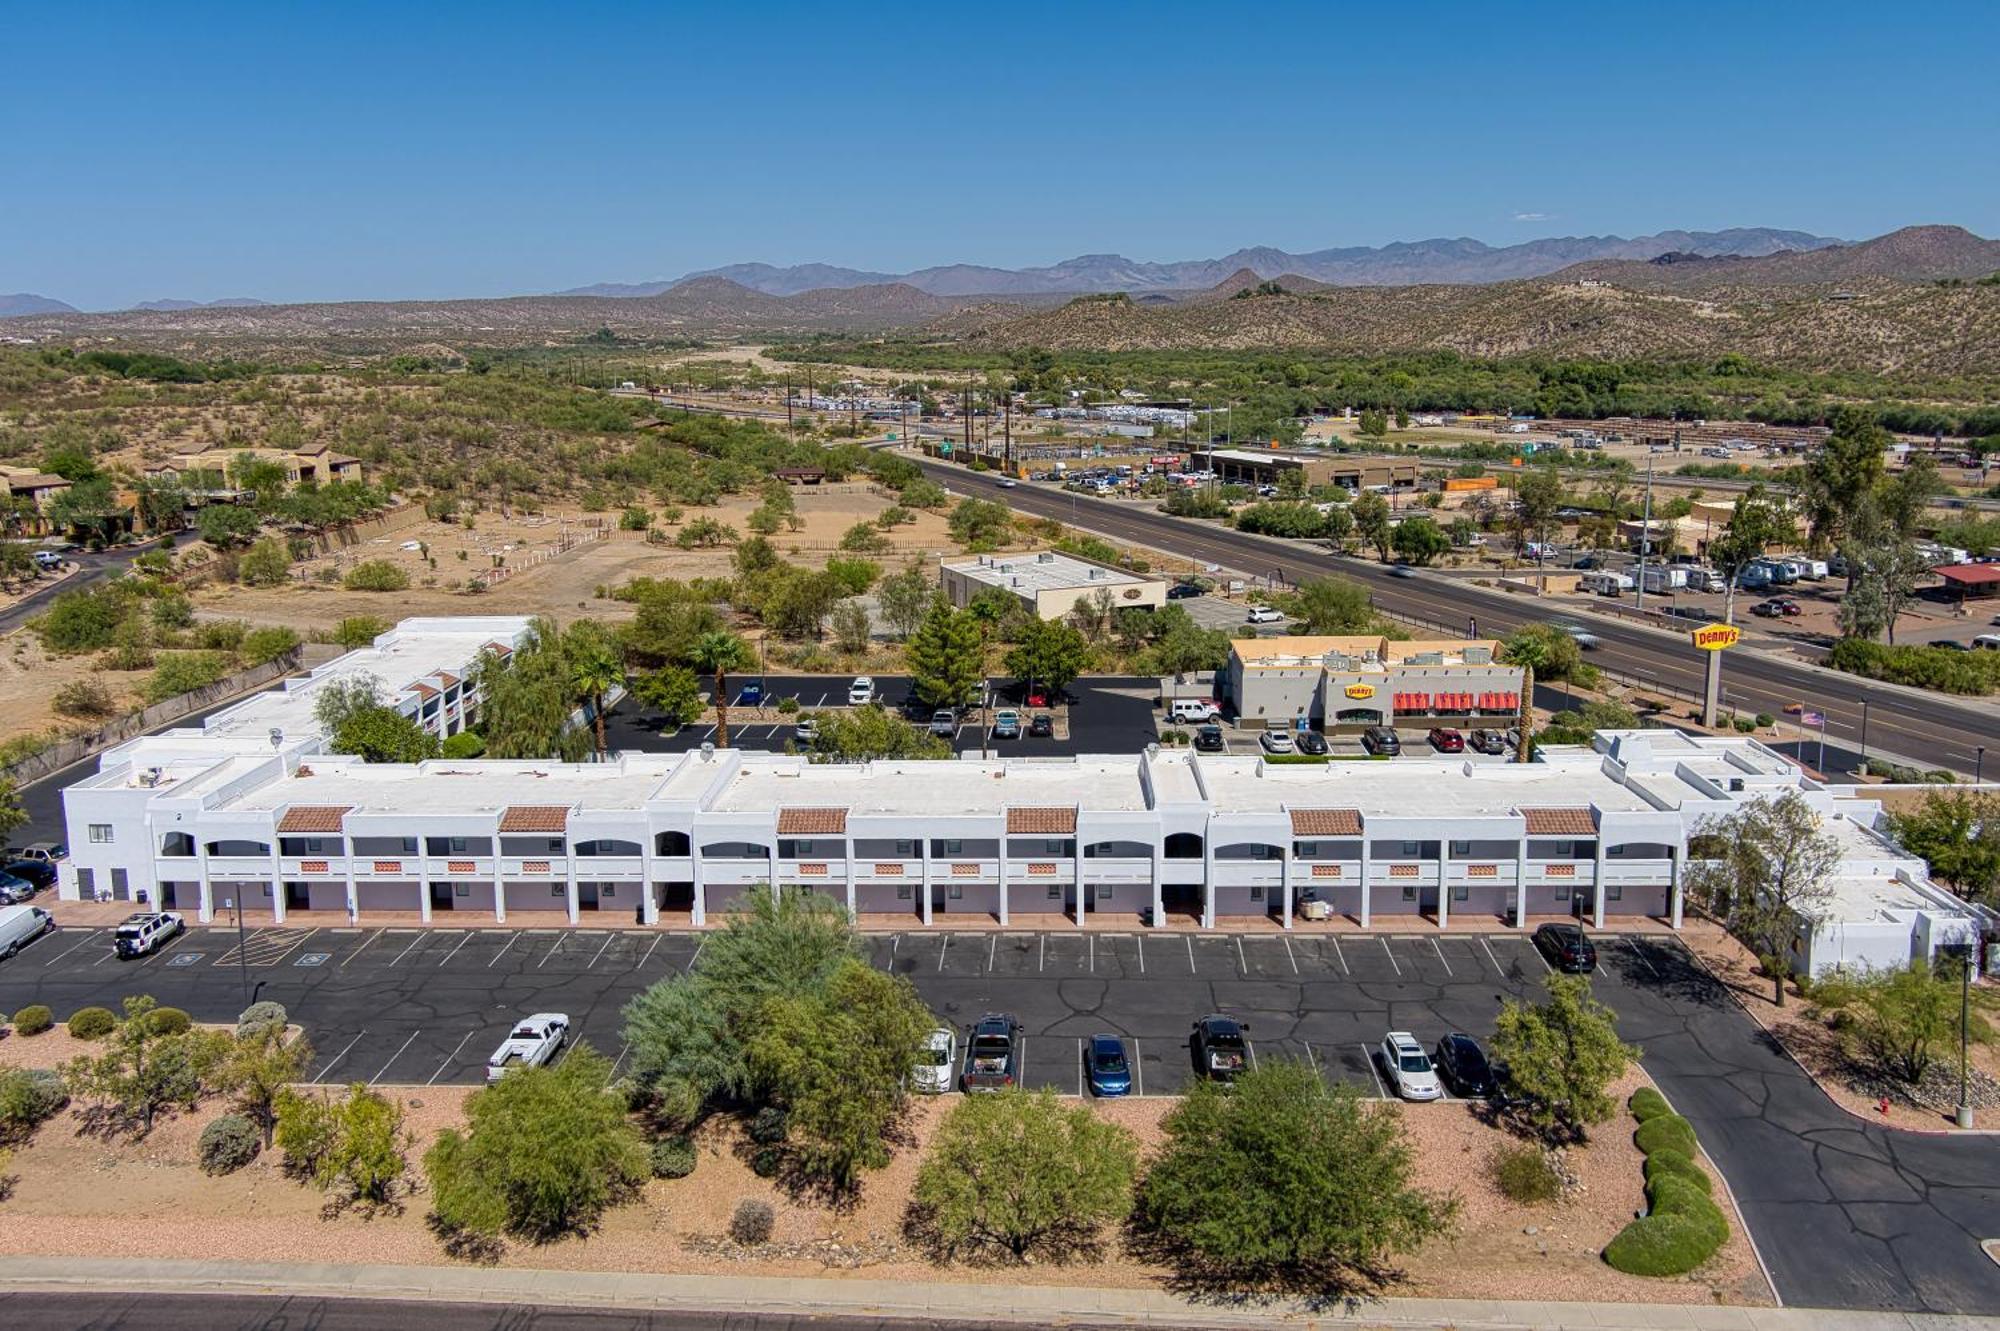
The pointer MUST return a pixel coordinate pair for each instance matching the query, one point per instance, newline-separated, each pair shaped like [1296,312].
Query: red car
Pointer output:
[1037,697]
[1445,740]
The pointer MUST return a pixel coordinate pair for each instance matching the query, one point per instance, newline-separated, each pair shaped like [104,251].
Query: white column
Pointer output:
[1366,889]
[1444,882]
[1285,885]
[924,848]
[353,896]
[424,880]
[277,879]
[1597,885]
[1076,875]
[698,916]
[1159,891]
[649,901]
[847,848]
[207,911]
[499,878]
[771,866]
[1005,886]
[569,879]
[1676,854]
[1521,883]
[1208,877]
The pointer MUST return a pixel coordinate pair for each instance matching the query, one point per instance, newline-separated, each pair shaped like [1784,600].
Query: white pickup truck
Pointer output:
[533,1041]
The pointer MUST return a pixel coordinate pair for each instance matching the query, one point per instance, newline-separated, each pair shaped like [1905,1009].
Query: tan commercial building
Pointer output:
[1251,466]
[1048,583]
[1350,683]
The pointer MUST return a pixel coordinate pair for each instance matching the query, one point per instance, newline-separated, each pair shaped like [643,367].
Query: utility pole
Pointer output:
[1007,428]
[1645,534]
[1964,1118]
[788,403]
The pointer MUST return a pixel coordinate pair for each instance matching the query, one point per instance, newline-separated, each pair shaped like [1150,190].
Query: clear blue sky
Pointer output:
[364,150]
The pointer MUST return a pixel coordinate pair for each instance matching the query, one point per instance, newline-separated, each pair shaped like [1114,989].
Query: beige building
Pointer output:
[38,487]
[317,464]
[1047,582]
[1348,683]
[1254,466]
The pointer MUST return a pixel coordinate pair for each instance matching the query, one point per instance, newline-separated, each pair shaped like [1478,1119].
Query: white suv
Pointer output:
[861,692]
[1263,614]
[140,935]
[1409,1067]
[1196,710]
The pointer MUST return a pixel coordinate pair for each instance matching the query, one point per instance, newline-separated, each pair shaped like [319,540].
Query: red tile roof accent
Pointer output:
[421,689]
[1560,822]
[500,648]
[313,818]
[1044,821]
[535,818]
[448,678]
[812,822]
[1326,822]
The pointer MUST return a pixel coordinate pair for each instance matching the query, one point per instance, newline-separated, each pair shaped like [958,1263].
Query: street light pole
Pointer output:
[1964,1119]
[242,962]
[1978,764]
[1864,733]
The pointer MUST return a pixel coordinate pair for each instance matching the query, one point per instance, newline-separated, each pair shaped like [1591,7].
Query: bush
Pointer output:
[183,672]
[376,575]
[84,697]
[267,644]
[33,1020]
[1647,1103]
[168,1020]
[768,1127]
[1665,1131]
[1934,668]
[1765,720]
[1659,1245]
[359,630]
[260,1020]
[673,1157]
[751,1222]
[1524,1174]
[1678,1197]
[28,1098]
[465,744]
[92,1023]
[1670,1163]
[228,1144]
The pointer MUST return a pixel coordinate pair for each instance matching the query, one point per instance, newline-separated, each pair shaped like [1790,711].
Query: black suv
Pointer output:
[1311,741]
[1381,740]
[1462,1064]
[1566,948]
[1208,738]
[1221,1049]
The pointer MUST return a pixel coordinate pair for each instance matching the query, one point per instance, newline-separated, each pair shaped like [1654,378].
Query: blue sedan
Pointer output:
[1106,1066]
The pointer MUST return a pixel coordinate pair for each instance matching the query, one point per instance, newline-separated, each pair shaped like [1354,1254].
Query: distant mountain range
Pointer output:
[226,303]
[1405,263]
[22,303]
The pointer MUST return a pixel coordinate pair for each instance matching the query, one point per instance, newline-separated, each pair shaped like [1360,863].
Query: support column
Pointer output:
[1159,889]
[1208,878]
[353,895]
[847,848]
[1285,887]
[1076,876]
[207,910]
[569,882]
[1006,888]
[424,881]
[1444,882]
[499,879]
[1597,887]
[1675,855]
[924,847]
[1521,883]
[649,896]
[771,867]
[698,915]
[1366,888]
[277,878]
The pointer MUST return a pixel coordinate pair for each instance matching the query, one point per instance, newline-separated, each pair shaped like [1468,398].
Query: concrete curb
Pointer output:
[877,1299]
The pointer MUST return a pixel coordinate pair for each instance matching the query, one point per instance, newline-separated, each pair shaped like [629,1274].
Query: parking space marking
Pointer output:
[942,951]
[602,950]
[649,952]
[1539,957]
[1021,1072]
[1041,950]
[1092,940]
[1251,1046]
[109,953]
[1392,958]
[421,937]
[554,948]
[1309,1056]
[1289,954]
[328,1066]
[81,942]
[1242,966]
[703,942]
[167,947]
[398,1054]
[1439,949]
[364,946]
[623,1049]
[1490,957]
[1368,1057]
[461,943]
[1190,947]
[991,943]
[1138,1067]
[450,1056]
[1640,953]
[1079,1067]
[1338,953]
[511,939]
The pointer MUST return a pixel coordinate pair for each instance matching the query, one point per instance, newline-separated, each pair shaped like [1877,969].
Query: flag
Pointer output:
[1812,719]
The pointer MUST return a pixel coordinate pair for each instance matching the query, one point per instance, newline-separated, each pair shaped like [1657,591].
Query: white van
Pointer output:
[21,925]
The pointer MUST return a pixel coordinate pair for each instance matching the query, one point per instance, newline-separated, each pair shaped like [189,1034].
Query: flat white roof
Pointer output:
[971,787]
[1416,788]
[1041,571]
[446,787]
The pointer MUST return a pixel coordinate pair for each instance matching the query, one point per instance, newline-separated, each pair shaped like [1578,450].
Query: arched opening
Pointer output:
[177,845]
[735,850]
[671,843]
[1183,846]
[607,847]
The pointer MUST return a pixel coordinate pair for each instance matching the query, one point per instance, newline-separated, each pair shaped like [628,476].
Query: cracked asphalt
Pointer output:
[1844,1213]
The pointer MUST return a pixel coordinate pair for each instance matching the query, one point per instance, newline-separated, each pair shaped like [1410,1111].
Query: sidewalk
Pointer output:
[882,1299]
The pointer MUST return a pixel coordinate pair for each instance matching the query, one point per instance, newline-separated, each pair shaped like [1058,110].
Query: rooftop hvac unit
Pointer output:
[1046,557]
[1097,573]
[1735,783]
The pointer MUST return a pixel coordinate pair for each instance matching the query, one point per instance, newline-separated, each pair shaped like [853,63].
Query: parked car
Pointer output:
[532,1043]
[1037,696]
[1381,740]
[1311,741]
[861,692]
[141,935]
[751,694]
[1263,614]
[48,560]
[806,731]
[1183,591]
[1106,1066]
[1221,1049]
[1208,739]
[1193,710]
[1446,740]
[49,852]
[1408,1067]
[1487,741]
[1579,635]
[1566,948]
[1276,741]
[1790,609]
[992,1053]
[1006,724]
[944,722]
[1766,609]
[22,925]
[14,891]
[1462,1064]
[1041,726]
[39,872]
[935,1059]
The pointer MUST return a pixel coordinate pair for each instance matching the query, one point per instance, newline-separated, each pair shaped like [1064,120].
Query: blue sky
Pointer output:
[374,151]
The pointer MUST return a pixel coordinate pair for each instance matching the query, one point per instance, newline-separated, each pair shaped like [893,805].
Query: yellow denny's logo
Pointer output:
[1358,691]
[1715,637]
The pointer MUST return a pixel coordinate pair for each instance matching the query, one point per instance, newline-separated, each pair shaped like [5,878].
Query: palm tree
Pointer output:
[719,652]
[594,669]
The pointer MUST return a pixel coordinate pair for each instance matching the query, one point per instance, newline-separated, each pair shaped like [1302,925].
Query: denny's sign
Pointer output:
[1715,637]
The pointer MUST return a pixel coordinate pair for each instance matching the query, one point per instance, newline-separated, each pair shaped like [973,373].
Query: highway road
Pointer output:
[1926,729]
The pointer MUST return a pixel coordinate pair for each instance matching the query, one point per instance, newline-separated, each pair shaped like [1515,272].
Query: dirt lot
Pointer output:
[152,1198]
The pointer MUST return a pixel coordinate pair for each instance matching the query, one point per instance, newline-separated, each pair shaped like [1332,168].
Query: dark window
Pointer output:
[558,890]
[1461,847]
[1104,892]
[902,891]
[1460,891]
[1184,846]
[1614,891]
[1256,891]
[1562,891]
[957,892]
[461,889]
[1409,891]
[1055,891]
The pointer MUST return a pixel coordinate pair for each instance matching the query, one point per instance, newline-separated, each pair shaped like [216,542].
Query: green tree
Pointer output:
[257,1070]
[1958,834]
[1025,1176]
[1419,540]
[862,734]
[1840,473]
[528,699]
[1545,649]
[866,539]
[904,599]
[1371,521]
[1331,606]
[13,814]
[672,691]
[1902,1015]
[1338,524]
[852,631]
[1049,654]
[1755,524]
[225,525]
[1562,1057]
[980,524]
[545,1151]
[594,670]
[1282,1179]
[1538,494]
[1374,424]
[142,1071]
[946,656]
[1766,877]
[717,654]
[379,734]
[266,564]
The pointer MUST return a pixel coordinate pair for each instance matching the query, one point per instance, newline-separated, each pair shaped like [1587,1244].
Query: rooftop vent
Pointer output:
[1097,573]
[708,751]
[1046,557]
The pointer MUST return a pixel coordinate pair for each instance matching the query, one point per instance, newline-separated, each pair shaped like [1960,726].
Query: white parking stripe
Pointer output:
[1530,944]
[941,952]
[422,937]
[554,948]
[1242,966]
[1138,1067]
[461,943]
[364,946]
[1368,1057]
[1021,1068]
[398,1054]
[1309,1056]
[602,950]
[1490,957]
[1041,950]
[1292,956]
[1190,947]
[649,952]
[1392,957]
[1441,957]
[991,943]
[511,940]
[1252,1047]
[1142,954]
[1079,1067]
[1344,970]
[81,942]
[623,1050]
[329,1064]
[450,1056]
[704,943]
[1639,952]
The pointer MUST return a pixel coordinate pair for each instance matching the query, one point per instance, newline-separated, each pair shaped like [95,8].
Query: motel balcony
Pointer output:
[295,867]
[1118,871]
[1041,871]
[1421,873]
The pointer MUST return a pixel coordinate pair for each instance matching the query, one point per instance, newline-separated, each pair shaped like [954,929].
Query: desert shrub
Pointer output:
[1668,1162]
[267,644]
[752,1221]
[1676,1196]
[1647,1103]
[1524,1173]
[1669,1131]
[28,1098]
[84,697]
[228,1144]
[1658,1245]
[673,1157]
[465,744]
[360,630]
[768,1127]
[261,1020]
[376,575]
[168,1020]
[92,1023]
[183,672]
[33,1019]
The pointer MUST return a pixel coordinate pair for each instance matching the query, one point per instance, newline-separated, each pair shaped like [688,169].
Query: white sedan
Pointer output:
[532,1043]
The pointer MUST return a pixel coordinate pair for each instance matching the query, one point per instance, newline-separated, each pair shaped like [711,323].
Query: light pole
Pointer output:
[1864,734]
[242,962]
[1978,764]
[1964,1119]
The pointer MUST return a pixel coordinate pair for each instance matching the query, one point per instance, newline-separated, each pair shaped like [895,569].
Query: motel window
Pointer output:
[947,847]
[461,889]
[1256,891]
[458,845]
[1565,850]
[1562,892]
[609,889]
[1459,891]
[1409,891]
[409,845]
[556,846]
[1055,891]
[100,834]
[957,892]
[1306,850]
[902,891]
[559,890]
[1461,847]
[905,849]
[1614,891]
[1412,849]
[1104,892]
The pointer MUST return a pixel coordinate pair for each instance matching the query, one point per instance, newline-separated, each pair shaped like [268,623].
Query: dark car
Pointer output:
[1208,739]
[1487,741]
[1446,740]
[751,695]
[1311,741]
[1183,591]
[1462,1064]
[1566,948]
[1381,740]
[1221,1047]
[39,872]
[1106,1066]
[1041,726]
